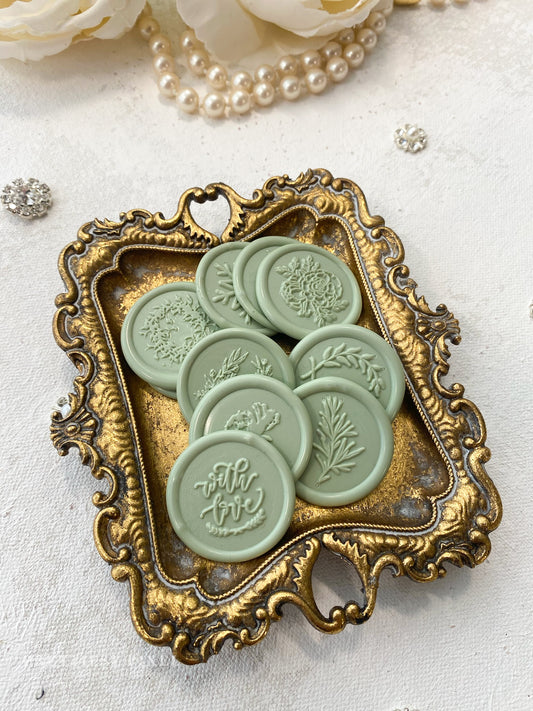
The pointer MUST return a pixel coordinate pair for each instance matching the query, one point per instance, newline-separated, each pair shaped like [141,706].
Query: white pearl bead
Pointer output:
[188,41]
[330,50]
[214,105]
[187,100]
[376,21]
[240,101]
[288,65]
[337,69]
[163,63]
[169,84]
[198,62]
[316,80]
[290,87]
[354,54]
[148,26]
[242,80]
[217,76]
[266,73]
[367,38]
[160,44]
[311,59]
[264,93]
[346,36]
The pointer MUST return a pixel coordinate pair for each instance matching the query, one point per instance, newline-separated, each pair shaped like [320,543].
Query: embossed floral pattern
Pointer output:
[259,418]
[311,291]
[173,327]
[225,291]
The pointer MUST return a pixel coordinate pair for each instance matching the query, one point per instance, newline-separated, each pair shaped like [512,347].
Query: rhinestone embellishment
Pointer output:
[410,138]
[26,198]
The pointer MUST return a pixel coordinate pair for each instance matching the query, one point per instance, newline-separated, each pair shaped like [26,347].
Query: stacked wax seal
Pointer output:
[264,426]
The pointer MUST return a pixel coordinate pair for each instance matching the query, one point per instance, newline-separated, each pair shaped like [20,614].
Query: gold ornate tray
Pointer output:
[435,505]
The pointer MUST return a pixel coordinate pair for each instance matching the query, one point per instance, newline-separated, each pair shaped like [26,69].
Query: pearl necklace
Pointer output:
[292,77]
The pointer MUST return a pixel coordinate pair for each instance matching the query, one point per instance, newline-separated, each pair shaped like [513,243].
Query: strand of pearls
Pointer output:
[237,93]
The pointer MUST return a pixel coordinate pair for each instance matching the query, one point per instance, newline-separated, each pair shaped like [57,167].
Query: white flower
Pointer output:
[233,29]
[33,29]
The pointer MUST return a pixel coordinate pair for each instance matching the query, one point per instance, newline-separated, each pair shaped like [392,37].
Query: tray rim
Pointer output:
[319,192]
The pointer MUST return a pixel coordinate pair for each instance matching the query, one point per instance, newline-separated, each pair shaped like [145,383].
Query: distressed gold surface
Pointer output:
[435,505]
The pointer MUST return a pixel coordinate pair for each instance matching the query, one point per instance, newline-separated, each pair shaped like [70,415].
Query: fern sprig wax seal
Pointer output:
[230,496]
[352,442]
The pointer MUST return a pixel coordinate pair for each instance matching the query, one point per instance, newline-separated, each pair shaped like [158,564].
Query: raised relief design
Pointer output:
[231,366]
[351,357]
[225,292]
[259,418]
[334,442]
[173,327]
[232,508]
[311,291]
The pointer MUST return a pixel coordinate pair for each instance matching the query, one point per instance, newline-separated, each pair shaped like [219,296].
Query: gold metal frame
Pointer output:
[436,505]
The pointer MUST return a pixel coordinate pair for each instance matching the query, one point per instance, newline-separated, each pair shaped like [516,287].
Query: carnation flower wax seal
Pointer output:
[304,287]
[26,198]
[264,406]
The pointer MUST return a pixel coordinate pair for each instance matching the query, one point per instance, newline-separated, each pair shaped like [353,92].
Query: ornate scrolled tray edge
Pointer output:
[183,619]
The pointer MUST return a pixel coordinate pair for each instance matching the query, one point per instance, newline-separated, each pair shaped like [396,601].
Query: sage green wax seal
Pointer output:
[224,354]
[230,496]
[216,290]
[354,353]
[352,442]
[160,329]
[264,406]
[245,274]
[304,287]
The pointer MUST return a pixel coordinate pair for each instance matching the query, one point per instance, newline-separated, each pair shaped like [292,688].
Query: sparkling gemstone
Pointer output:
[27,198]
[410,138]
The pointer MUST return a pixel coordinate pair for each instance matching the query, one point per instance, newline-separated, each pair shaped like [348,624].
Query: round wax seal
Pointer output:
[264,406]
[352,442]
[160,329]
[230,496]
[354,353]
[245,273]
[304,287]
[216,290]
[224,354]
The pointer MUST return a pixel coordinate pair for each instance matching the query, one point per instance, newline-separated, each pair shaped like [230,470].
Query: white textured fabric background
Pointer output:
[90,124]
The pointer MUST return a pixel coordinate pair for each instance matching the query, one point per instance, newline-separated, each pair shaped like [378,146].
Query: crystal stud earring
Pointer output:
[410,138]
[26,198]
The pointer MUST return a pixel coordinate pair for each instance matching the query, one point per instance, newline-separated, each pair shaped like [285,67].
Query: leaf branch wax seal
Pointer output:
[216,288]
[354,353]
[230,496]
